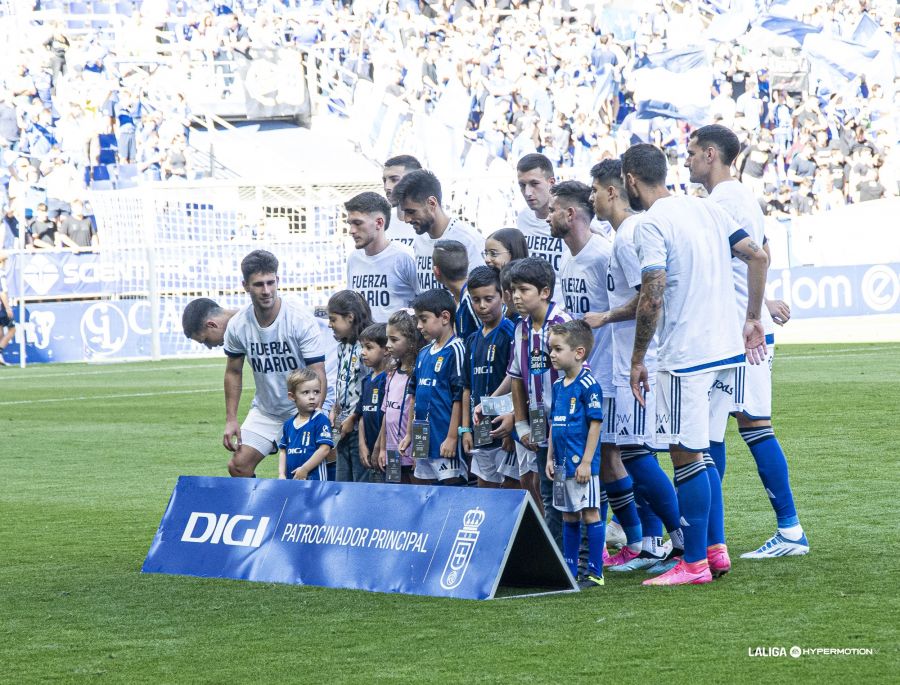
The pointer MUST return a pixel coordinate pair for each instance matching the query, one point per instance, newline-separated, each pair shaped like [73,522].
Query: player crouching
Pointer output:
[573,459]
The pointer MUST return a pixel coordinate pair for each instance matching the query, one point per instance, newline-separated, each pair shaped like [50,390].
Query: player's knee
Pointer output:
[744,422]
[590,515]
[238,469]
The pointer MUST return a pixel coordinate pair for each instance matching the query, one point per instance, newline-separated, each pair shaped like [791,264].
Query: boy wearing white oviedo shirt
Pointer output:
[276,335]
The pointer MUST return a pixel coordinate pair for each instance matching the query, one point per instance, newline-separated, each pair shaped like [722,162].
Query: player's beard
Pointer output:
[424,226]
[558,231]
[634,201]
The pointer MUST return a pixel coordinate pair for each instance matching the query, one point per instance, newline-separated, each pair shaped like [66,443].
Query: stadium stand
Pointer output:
[110,91]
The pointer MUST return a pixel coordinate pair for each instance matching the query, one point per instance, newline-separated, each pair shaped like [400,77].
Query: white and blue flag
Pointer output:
[674,83]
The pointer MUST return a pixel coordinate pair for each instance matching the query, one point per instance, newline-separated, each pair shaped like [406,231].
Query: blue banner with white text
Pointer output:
[826,291]
[440,541]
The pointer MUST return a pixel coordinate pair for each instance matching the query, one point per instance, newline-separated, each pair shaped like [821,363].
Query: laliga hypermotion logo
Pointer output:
[463,547]
[219,528]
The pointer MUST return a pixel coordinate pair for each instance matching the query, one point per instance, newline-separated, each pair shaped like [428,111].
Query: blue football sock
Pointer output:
[715,533]
[692,486]
[604,505]
[773,472]
[621,500]
[717,452]
[651,524]
[596,534]
[571,543]
[652,483]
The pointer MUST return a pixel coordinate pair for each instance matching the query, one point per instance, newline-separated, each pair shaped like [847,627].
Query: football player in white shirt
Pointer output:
[418,196]
[536,178]
[711,152]
[654,494]
[276,335]
[685,246]
[583,277]
[394,169]
[381,270]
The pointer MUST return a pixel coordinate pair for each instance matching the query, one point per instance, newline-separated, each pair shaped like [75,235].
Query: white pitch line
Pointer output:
[63,374]
[82,398]
[825,354]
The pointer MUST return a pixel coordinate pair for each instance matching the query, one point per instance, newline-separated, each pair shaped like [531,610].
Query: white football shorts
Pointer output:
[261,431]
[685,405]
[580,496]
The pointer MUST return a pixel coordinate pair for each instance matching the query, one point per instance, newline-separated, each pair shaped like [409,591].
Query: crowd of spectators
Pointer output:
[556,78]
[73,116]
[515,77]
[560,83]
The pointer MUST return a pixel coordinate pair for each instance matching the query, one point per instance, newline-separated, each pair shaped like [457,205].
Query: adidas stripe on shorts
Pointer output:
[634,424]
[440,469]
[684,405]
[527,460]
[756,382]
[580,496]
[492,465]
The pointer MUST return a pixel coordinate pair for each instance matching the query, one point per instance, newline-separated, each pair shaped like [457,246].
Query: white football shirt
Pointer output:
[542,244]
[399,231]
[623,283]
[387,280]
[583,280]
[292,341]
[424,249]
[742,206]
[691,239]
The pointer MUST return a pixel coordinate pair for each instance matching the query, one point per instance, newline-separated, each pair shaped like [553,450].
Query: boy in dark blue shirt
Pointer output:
[437,386]
[306,437]
[573,459]
[372,340]
[487,357]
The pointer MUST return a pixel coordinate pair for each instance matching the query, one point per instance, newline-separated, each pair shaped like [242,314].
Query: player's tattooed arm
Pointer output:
[757,260]
[624,313]
[648,309]
[747,250]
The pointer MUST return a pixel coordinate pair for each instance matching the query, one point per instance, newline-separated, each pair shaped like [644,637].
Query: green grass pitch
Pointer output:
[90,455]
